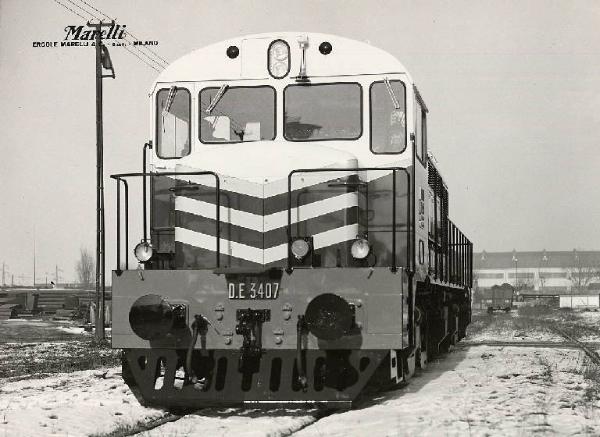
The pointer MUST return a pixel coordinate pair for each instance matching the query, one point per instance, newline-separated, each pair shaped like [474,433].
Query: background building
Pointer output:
[542,272]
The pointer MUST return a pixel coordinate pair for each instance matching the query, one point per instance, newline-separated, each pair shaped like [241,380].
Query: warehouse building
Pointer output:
[542,273]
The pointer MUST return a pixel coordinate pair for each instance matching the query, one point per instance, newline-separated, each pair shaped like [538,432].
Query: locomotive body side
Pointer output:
[300,247]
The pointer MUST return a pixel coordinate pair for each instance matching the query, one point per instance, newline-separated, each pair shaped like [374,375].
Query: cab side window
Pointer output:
[173,122]
[388,116]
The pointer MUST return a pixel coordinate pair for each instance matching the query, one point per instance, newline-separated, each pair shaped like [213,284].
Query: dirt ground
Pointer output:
[38,348]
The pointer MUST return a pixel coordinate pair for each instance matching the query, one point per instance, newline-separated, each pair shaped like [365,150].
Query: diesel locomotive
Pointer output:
[296,243]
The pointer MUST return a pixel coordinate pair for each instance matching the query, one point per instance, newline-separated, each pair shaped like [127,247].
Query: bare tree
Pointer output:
[85,268]
[584,271]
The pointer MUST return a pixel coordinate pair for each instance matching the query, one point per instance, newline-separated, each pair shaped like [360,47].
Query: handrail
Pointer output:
[121,178]
[460,257]
[126,185]
[393,267]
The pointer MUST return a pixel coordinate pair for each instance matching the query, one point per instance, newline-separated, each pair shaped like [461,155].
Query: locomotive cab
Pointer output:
[283,255]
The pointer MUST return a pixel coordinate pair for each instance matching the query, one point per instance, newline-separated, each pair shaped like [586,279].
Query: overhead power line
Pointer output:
[154,57]
[66,7]
[152,60]
[141,59]
[157,60]
[128,33]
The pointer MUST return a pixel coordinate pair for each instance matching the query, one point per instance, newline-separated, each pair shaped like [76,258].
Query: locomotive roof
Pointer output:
[347,57]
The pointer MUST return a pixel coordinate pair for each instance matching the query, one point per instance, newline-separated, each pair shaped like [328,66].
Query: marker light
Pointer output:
[300,248]
[325,47]
[279,59]
[232,52]
[360,248]
[143,251]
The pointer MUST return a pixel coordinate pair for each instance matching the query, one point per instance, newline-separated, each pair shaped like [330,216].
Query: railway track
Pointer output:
[309,417]
[585,347]
[546,344]
[141,428]
[570,343]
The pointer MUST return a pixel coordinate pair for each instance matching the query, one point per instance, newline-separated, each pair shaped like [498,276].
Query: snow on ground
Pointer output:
[480,390]
[73,404]
[89,402]
[475,390]
[74,330]
[592,317]
[239,423]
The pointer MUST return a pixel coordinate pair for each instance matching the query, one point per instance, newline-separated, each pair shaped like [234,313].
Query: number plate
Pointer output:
[253,289]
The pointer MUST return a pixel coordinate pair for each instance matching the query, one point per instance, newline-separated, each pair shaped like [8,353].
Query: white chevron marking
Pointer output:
[257,255]
[272,221]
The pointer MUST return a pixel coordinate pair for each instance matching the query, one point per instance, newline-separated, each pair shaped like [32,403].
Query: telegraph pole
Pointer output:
[102,60]
[34,257]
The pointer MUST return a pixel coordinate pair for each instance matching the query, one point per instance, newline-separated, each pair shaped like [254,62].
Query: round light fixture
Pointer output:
[360,248]
[143,251]
[233,52]
[279,59]
[325,47]
[300,248]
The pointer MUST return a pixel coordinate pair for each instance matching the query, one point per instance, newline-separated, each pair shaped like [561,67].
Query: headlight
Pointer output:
[143,251]
[360,248]
[300,248]
[279,59]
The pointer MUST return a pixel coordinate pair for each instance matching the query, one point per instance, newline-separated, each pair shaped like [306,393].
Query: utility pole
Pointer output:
[56,275]
[34,257]
[3,269]
[102,60]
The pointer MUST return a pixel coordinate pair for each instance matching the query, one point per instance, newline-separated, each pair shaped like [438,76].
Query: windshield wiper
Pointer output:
[170,98]
[216,99]
[391,93]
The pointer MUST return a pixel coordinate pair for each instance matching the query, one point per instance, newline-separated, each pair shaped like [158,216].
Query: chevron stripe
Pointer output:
[258,255]
[269,222]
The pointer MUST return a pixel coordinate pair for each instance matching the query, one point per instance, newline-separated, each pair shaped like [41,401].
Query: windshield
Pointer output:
[237,114]
[323,112]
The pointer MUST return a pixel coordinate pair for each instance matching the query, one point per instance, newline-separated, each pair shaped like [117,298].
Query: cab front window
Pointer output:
[330,111]
[237,114]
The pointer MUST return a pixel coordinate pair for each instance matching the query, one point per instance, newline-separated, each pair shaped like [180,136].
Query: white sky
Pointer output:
[512,88]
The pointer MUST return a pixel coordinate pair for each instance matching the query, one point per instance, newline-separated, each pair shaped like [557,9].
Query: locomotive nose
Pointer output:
[269,159]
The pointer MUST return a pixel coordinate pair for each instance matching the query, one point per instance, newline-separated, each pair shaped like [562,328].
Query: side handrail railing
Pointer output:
[460,257]
[394,170]
[121,178]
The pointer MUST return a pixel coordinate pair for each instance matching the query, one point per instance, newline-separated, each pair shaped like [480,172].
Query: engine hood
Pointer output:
[268,161]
